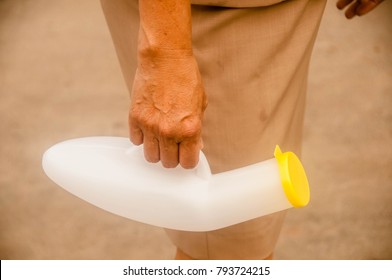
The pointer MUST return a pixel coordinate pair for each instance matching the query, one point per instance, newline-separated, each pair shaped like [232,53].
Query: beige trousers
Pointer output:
[254,61]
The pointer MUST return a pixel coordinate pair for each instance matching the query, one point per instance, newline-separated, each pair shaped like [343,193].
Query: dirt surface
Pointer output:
[60,79]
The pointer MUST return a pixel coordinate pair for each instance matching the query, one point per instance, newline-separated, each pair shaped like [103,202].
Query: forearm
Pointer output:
[165,27]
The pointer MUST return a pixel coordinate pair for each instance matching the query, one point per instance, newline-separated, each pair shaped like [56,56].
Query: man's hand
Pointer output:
[167,106]
[168,99]
[357,7]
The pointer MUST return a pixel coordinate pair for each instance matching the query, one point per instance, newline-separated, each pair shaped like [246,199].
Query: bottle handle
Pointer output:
[202,169]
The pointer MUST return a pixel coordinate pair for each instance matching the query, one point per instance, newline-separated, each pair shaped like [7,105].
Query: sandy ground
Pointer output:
[60,79]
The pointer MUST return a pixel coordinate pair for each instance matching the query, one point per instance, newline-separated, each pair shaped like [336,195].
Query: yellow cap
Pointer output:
[293,176]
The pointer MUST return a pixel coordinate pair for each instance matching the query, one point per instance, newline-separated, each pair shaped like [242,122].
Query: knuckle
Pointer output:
[134,113]
[168,131]
[190,129]
[146,122]
[149,124]
[141,116]
[179,132]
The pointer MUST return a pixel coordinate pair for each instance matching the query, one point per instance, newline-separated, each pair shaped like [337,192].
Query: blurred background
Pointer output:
[60,79]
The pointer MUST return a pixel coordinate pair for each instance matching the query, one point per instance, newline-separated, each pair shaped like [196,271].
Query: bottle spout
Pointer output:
[293,177]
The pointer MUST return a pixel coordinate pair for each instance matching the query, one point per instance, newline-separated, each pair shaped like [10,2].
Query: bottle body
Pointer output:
[112,174]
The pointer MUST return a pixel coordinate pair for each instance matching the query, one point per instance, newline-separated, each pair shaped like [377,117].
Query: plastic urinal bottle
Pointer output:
[112,174]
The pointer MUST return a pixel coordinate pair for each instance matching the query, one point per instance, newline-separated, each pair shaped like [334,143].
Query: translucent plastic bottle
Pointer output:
[112,174]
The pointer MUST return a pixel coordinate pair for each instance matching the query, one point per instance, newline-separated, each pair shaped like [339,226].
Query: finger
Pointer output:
[352,10]
[341,4]
[135,134]
[151,148]
[168,150]
[366,7]
[189,151]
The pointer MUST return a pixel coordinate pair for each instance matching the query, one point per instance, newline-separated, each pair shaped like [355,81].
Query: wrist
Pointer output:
[157,53]
[148,49]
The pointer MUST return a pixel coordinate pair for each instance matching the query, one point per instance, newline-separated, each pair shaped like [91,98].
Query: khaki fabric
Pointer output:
[254,64]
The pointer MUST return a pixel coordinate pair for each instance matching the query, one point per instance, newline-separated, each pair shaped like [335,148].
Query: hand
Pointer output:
[167,106]
[357,7]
